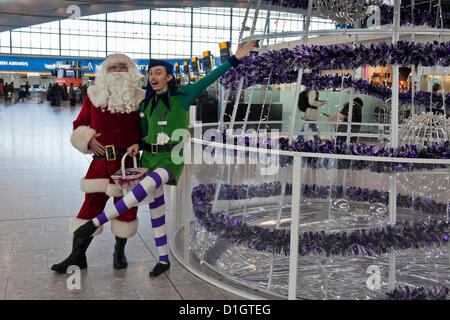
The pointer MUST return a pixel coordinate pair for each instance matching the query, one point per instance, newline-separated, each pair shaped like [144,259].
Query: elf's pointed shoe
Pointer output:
[159,269]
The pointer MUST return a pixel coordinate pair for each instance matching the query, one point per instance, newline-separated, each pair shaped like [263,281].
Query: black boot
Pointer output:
[158,269]
[77,257]
[120,260]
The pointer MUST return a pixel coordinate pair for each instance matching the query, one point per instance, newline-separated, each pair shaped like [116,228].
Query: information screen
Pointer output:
[70,74]
[225,51]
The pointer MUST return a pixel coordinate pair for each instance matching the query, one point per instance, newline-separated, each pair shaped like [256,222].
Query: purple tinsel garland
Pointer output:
[281,65]
[312,191]
[435,151]
[321,82]
[402,235]
[420,293]
[421,16]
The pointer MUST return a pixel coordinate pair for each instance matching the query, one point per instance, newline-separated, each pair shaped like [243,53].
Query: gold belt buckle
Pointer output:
[110,153]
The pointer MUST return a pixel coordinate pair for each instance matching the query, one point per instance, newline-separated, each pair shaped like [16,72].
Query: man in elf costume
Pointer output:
[107,125]
[165,109]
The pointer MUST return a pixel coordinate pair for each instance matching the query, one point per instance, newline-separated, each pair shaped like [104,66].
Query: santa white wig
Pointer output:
[115,91]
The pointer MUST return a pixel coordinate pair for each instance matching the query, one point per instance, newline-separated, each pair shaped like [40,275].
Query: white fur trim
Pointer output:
[140,95]
[75,223]
[94,185]
[116,58]
[99,97]
[113,190]
[80,138]
[123,229]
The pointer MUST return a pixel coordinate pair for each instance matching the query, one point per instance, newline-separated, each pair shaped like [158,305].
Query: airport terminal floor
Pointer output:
[40,192]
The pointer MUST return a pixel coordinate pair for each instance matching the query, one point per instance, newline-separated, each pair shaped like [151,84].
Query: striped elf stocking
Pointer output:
[148,185]
[157,212]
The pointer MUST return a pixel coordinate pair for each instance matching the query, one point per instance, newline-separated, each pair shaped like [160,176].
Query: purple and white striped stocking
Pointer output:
[148,185]
[157,212]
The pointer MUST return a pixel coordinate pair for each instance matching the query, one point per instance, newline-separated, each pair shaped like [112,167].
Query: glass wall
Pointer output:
[171,33]
[38,39]
[84,37]
[166,33]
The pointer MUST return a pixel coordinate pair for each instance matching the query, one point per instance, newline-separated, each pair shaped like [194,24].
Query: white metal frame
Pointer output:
[297,156]
[295,213]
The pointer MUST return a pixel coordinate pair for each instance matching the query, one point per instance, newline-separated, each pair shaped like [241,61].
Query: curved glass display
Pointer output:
[350,245]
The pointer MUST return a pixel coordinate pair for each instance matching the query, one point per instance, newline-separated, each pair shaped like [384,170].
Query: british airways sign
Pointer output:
[16,63]
[39,64]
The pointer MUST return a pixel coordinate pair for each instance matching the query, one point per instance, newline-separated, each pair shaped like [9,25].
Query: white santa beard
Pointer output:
[121,92]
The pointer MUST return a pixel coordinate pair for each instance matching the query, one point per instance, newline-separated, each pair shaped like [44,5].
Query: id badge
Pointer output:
[162,138]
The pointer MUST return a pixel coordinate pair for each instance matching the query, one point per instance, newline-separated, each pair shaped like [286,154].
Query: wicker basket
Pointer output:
[128,178]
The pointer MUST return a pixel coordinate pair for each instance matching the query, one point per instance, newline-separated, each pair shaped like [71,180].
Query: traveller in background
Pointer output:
[309,103]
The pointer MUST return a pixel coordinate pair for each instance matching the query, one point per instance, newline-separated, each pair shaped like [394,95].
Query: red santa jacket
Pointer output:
[118,129]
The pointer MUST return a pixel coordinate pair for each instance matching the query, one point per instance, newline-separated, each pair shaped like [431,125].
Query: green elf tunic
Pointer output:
[177,117]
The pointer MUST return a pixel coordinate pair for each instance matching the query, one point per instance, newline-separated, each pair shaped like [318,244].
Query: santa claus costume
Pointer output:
[110,114]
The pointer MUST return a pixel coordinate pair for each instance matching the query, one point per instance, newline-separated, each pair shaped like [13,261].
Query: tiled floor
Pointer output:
[40,192]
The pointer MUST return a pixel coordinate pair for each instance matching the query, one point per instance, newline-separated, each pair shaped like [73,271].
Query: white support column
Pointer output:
[395,79]
[258,7]
[187,212]
[223,106]
[291,132]
[413,71]
[247,112]
[394,118]
[394,107]
[266,27]
[393,198]
[391,275]
[244,22]
[394,143]
[294,107]
[299,76]
[236,103]
[352,94]
[448,209]
[295,221]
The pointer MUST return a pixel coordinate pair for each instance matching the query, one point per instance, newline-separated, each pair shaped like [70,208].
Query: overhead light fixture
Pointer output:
[346,11]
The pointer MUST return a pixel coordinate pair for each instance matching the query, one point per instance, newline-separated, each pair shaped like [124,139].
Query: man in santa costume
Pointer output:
[107,125]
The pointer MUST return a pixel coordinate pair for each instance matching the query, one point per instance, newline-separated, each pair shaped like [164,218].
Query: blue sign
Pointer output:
[17,63]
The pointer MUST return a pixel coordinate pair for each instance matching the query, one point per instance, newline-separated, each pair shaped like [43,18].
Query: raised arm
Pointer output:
[193,91]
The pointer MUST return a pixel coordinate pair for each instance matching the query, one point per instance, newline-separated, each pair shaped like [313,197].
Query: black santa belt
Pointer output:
[111,154]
